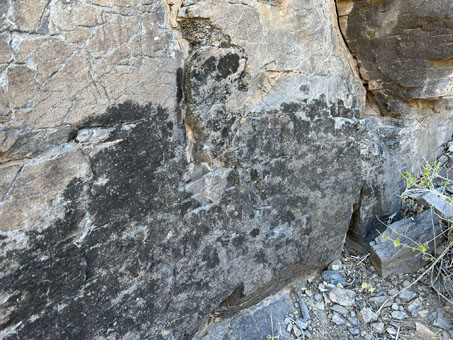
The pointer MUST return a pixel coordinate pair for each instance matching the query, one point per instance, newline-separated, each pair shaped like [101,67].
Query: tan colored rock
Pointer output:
[28,15]
[32,191]
[423,332]
[21,85]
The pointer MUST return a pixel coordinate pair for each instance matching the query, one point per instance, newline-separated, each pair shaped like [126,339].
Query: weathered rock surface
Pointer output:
[413,232]
[162,161]
[404,53]
[166,161]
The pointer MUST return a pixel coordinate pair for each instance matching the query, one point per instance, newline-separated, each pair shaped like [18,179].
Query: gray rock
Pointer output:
[397,91]
[414,307]
[338,320]
[258,321]
[160,163]
[340,309]
[302,324]
[440,321]
[443,208]
[353,321]
[378,326]
[333,277]
[366,315]
[399,315]
[407,295]
[377,301]
[389,259]
[354,331]
[342,296]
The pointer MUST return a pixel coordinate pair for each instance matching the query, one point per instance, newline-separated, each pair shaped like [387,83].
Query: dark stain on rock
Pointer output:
[228,64]
[128,111]
[179,85]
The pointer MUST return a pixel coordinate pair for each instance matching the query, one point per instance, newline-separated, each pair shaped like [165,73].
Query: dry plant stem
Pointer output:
[364,258]
[416,280]
[398,333]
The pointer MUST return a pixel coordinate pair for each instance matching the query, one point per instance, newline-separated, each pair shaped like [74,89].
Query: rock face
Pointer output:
[161,161]
[404,53]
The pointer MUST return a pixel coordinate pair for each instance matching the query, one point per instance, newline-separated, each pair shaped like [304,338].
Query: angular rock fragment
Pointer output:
[367,315]
[343,297]
[423,332]
[390,259]
[438,202]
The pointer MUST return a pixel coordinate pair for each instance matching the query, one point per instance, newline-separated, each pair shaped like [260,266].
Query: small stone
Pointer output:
[333,277]
[423,313]
[309,293]
[321,288]
[378,326]
[399,315]
[393,291]
[377,301]
[302,324]
[341,296]
[354,331]
[289,328]
[340,309]
[439,321]
[391,330]
[424,332]
[366,315]
[394,306]
[336,265]
[338,320]
[407,295]
[297,332]
[353,321]
[318,297]
[413,307]
[319,305]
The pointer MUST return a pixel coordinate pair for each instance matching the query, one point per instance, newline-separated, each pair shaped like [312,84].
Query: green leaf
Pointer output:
[396,242]
[424,182]
[384,236]
[444,183]
[406,174]
[426,172]
[450,238]
[423,248]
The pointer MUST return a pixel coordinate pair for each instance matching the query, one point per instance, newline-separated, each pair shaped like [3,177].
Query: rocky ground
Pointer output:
[319,308]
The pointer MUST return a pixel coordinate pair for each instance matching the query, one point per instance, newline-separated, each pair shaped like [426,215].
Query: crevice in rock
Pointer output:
[354,235]
[372,108]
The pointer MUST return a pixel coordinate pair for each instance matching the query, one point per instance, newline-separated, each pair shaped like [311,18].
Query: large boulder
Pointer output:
[164,161]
